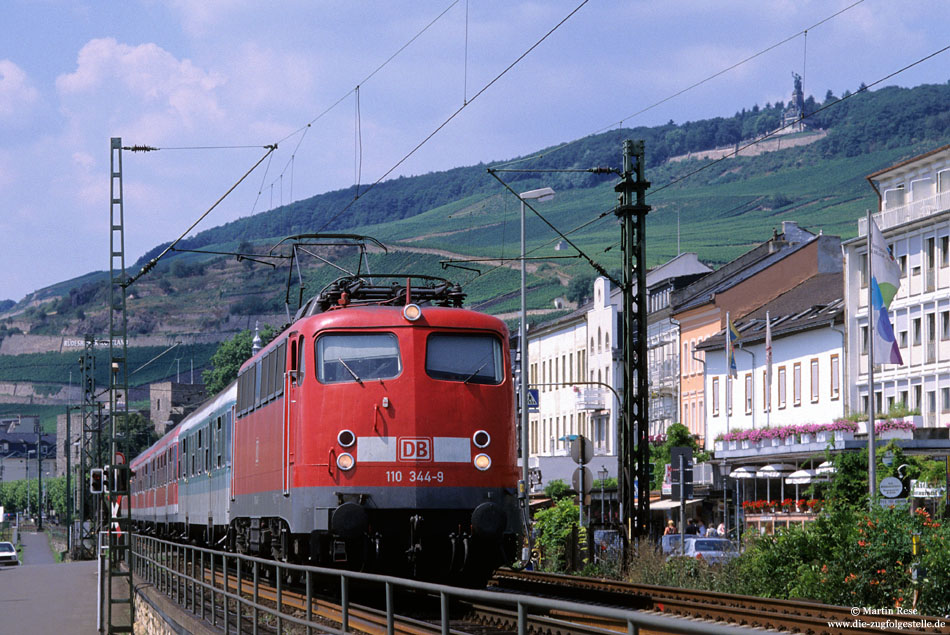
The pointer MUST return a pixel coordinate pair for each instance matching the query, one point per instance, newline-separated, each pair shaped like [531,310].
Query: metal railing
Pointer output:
[914,210]
[182,573]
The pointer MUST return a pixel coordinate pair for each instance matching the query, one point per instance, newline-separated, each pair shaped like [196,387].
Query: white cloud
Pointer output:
[17,93]
[166,91]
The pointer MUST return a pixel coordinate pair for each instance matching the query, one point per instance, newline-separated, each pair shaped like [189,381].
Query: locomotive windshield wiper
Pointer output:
[355,376]
[477,370]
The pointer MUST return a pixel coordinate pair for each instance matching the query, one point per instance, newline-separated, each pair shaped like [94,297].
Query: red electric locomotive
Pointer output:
[378,432]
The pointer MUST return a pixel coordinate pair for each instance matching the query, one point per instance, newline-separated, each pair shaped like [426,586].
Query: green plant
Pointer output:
[554,526]
[556,489]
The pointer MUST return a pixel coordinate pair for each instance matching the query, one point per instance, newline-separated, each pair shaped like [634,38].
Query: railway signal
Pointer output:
[95,480]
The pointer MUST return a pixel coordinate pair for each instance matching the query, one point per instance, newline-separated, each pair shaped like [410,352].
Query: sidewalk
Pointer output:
[42,597]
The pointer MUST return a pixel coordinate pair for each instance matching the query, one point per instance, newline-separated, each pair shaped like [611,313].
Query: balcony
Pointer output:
[915,210]
[591,399]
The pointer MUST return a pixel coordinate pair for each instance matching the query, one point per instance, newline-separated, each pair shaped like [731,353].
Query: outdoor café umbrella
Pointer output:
[804,477]
[774,470]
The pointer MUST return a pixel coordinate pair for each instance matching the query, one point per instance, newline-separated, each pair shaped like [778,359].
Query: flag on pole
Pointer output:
[768,363]
[885,275]
[732,336]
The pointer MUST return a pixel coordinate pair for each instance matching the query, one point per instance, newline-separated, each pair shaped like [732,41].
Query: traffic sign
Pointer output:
[582,450]
[588,479]
[891,487]
[533,395]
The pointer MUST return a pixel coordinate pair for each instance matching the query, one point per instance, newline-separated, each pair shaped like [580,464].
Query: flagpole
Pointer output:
[728,371]
[768,370]
[872,458]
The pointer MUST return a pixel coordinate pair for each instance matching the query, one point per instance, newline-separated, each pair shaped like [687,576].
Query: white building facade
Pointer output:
[914,217]
[576,365]
[806,380]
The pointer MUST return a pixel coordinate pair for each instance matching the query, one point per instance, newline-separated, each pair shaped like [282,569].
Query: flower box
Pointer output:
[719,446]
[775,442]
[790,439]
[823,437]
[805,437]
[844,435]
[733,445]
[746,444]
[896,434]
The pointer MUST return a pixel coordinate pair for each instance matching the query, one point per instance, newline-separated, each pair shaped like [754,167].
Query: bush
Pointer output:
[553,526]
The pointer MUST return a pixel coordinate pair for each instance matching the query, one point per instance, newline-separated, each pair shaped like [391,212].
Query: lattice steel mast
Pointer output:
[120,591]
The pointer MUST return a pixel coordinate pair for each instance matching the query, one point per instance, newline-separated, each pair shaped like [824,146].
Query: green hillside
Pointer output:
[430,223]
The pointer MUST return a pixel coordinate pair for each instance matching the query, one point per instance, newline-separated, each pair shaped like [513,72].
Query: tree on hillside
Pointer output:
[227,360]
[581,288]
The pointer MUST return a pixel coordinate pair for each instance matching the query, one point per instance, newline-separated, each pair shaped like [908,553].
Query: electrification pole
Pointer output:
[634,452]
[119,595]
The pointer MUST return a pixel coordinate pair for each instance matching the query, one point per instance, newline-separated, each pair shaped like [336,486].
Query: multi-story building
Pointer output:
[575,363]
[914,217]
[737,289]
[170,402]
[807,328]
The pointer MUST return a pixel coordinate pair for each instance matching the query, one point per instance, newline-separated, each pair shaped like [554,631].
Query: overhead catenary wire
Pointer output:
[686,89]
[151,263]
[716,161]
[456,113]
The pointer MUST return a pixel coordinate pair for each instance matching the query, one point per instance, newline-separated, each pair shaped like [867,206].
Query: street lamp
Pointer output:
[603,473]
[543,194]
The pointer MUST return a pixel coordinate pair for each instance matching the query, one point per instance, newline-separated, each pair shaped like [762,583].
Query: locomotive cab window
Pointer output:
[472,359]
[357,357]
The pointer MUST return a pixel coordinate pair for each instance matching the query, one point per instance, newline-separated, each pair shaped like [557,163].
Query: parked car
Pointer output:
[8,555]
[712,550]
[671,542]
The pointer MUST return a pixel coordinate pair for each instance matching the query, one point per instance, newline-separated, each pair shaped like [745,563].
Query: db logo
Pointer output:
[415,449]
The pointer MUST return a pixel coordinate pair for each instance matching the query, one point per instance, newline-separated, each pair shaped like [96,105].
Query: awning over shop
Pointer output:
[672,504]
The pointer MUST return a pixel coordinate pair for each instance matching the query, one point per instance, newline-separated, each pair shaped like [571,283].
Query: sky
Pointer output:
[348,89]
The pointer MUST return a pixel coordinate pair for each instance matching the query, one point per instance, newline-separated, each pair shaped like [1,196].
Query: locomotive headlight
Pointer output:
[346,438]
[412,312]
[345,461]
[481,439]
[482,462]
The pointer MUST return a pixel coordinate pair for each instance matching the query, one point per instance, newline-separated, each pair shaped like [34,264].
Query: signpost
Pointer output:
[681,458]
[582,451]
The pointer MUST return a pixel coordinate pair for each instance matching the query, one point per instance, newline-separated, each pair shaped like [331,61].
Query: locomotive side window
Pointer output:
[473,359]
[357,357]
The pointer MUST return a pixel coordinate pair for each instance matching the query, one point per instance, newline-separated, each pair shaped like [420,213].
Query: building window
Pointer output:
[864,340]
[748,393]
[944,251]
[781,387]
[864,271]
[903,339]
[902,261]
[835,380]
[945,325]
[916,323]
[728,395]
[931,403]
[797,384]
[715,397]
[945,399]
[814,381]
[766,398]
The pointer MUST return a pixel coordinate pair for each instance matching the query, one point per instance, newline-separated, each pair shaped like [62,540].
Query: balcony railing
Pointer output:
[591,399]
[915,210]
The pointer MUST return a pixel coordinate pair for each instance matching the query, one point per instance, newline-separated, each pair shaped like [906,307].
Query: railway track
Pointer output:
[767,613]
